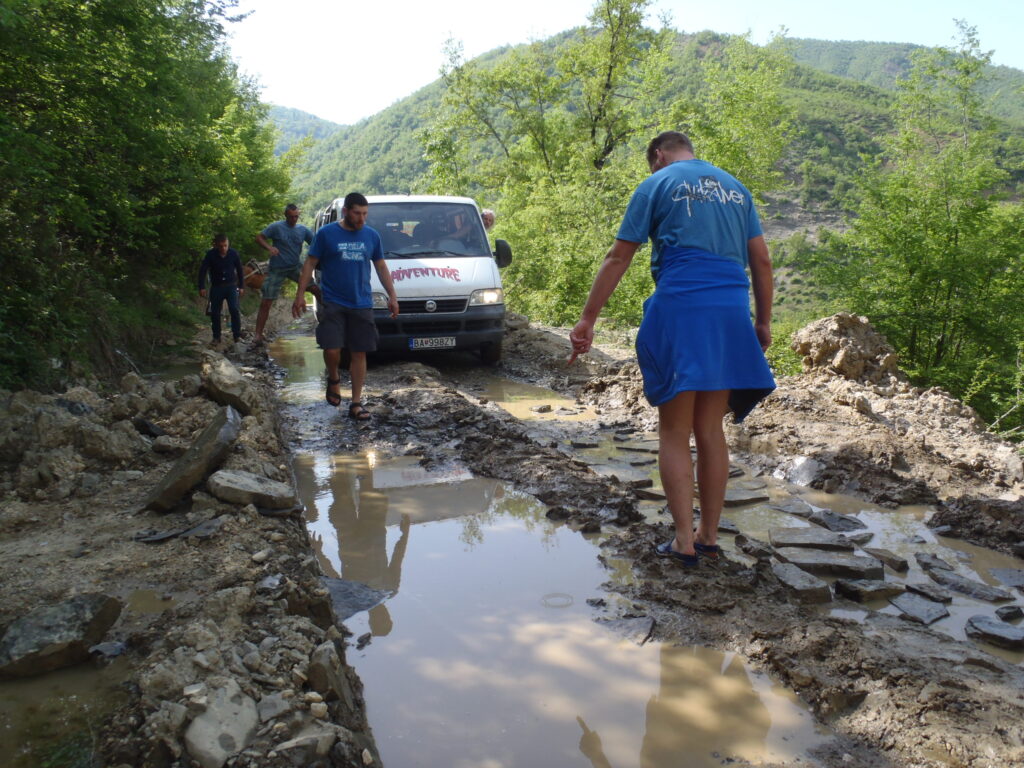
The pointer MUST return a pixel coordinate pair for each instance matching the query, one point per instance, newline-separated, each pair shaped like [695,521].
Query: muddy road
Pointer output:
[469,579]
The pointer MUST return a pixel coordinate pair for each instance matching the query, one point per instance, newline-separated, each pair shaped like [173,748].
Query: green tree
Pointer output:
[932,257]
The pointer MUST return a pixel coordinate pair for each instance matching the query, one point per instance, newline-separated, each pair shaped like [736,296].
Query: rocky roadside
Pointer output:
[180,490]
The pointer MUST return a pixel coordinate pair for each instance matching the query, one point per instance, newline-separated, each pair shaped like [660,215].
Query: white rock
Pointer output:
[226,727]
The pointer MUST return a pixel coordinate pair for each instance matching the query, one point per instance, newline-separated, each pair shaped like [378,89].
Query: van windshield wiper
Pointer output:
[405,254]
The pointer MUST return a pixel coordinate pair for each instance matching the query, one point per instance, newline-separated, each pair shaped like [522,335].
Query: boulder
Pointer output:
[226,727]
[997,633]
[206,453]
[831,563]
[56,636]
[226,385]
[919,609]
[238,487]
[805,587]
[815,538]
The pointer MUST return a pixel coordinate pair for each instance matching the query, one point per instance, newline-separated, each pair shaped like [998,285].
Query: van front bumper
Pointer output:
[475,326]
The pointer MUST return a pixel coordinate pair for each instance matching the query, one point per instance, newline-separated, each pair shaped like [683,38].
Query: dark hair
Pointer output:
[353,199]
[291,207]
[668,140]
[220,237]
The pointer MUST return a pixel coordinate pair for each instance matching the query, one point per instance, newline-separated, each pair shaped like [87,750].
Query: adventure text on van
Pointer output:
[447,281]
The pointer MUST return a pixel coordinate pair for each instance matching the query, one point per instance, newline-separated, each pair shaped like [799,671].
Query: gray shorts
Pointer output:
[342,327]
[275,279]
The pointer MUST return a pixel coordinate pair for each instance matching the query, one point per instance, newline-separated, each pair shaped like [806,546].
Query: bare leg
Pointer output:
[712,460]
[675,423]
[261,318]
[357,370]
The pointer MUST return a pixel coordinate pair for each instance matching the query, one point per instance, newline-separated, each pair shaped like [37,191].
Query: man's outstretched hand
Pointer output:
[299,306]
[582,338]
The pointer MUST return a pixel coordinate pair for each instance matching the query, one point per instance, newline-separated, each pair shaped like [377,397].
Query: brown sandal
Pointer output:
[333,398]
[359,415]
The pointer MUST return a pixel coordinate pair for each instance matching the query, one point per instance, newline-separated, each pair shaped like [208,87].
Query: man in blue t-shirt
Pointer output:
[283,241]
[343,252]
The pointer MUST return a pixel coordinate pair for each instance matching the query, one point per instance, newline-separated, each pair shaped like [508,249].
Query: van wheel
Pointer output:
[490,352]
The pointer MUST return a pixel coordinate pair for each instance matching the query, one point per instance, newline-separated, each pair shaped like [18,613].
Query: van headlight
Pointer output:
[380,301]
[486,296]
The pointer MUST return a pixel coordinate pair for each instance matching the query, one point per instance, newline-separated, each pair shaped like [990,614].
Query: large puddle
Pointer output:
[485,652]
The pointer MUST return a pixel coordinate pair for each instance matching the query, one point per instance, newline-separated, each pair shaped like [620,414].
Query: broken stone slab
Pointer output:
[735,497]
[649,494]
[1010,613]
[859,537]
[226,385]
[56,636]
[815,538]
[637,630]
[326,674]
[804,586]
[1011,577]
[891,559]
[830,563]
[271,706]
[932,592]
[835,521]
[753,547]
[645,446]
[239,487]
[795,507]
[919,609]
[865,590]
[997,633]
[968,587]
[226,727]
[929,562]
[350,597]
[206,454]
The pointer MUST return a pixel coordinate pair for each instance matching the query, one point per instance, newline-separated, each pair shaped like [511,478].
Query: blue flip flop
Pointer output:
[710,551]
[687,561]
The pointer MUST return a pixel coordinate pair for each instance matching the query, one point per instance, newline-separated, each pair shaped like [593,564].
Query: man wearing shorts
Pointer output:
[343,252]
[285,260]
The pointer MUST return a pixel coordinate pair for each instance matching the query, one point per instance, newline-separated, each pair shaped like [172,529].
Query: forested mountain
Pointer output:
[294,125]
[841,94]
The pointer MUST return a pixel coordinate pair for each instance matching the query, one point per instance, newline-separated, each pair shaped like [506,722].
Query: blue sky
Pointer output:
[344,61]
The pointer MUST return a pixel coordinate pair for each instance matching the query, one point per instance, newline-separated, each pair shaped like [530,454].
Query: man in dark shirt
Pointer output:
[224,267]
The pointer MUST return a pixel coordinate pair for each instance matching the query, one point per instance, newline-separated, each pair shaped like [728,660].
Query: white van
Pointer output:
[445,275]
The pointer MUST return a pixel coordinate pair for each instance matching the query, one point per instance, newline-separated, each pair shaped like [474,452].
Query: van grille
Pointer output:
[419,306]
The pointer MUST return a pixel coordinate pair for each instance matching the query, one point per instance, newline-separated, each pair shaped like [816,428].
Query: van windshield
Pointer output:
[425,230]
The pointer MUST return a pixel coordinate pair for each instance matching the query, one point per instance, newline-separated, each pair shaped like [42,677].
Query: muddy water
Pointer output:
[484,650]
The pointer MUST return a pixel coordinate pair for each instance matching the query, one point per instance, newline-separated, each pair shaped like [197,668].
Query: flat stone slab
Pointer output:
[1010,613]
[930,562]
[226,727]
[998,633]
[891,559]
[644,446]
[55,636]
[237,487]
[804,586]
[795,507]
[865,590]
[756,484]
[351,597]
[859,537]
[649,494]
[932,592]
[815,538]
[206,454]
[829,563]
[1011,577]
[919,609]
[835,521]
[735,497]
[968,587]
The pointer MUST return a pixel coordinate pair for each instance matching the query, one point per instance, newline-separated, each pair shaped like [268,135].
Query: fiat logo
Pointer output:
[431,306]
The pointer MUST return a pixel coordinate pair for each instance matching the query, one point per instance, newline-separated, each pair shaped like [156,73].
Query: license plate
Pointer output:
[432,342]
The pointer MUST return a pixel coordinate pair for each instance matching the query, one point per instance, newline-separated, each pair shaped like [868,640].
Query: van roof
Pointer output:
[338,202]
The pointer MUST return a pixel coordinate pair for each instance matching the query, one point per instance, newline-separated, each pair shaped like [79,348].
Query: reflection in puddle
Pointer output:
[527,401]
[148,601]
[486,653]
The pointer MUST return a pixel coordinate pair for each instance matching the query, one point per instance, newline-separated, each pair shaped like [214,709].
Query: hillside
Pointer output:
[293,125]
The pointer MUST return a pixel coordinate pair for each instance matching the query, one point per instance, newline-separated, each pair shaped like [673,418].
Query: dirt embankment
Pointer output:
[246,659]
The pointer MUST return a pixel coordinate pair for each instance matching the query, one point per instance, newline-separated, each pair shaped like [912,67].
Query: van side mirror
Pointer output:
[502,253]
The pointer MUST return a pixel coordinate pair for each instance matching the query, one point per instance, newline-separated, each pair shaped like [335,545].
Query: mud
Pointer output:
[896,693]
